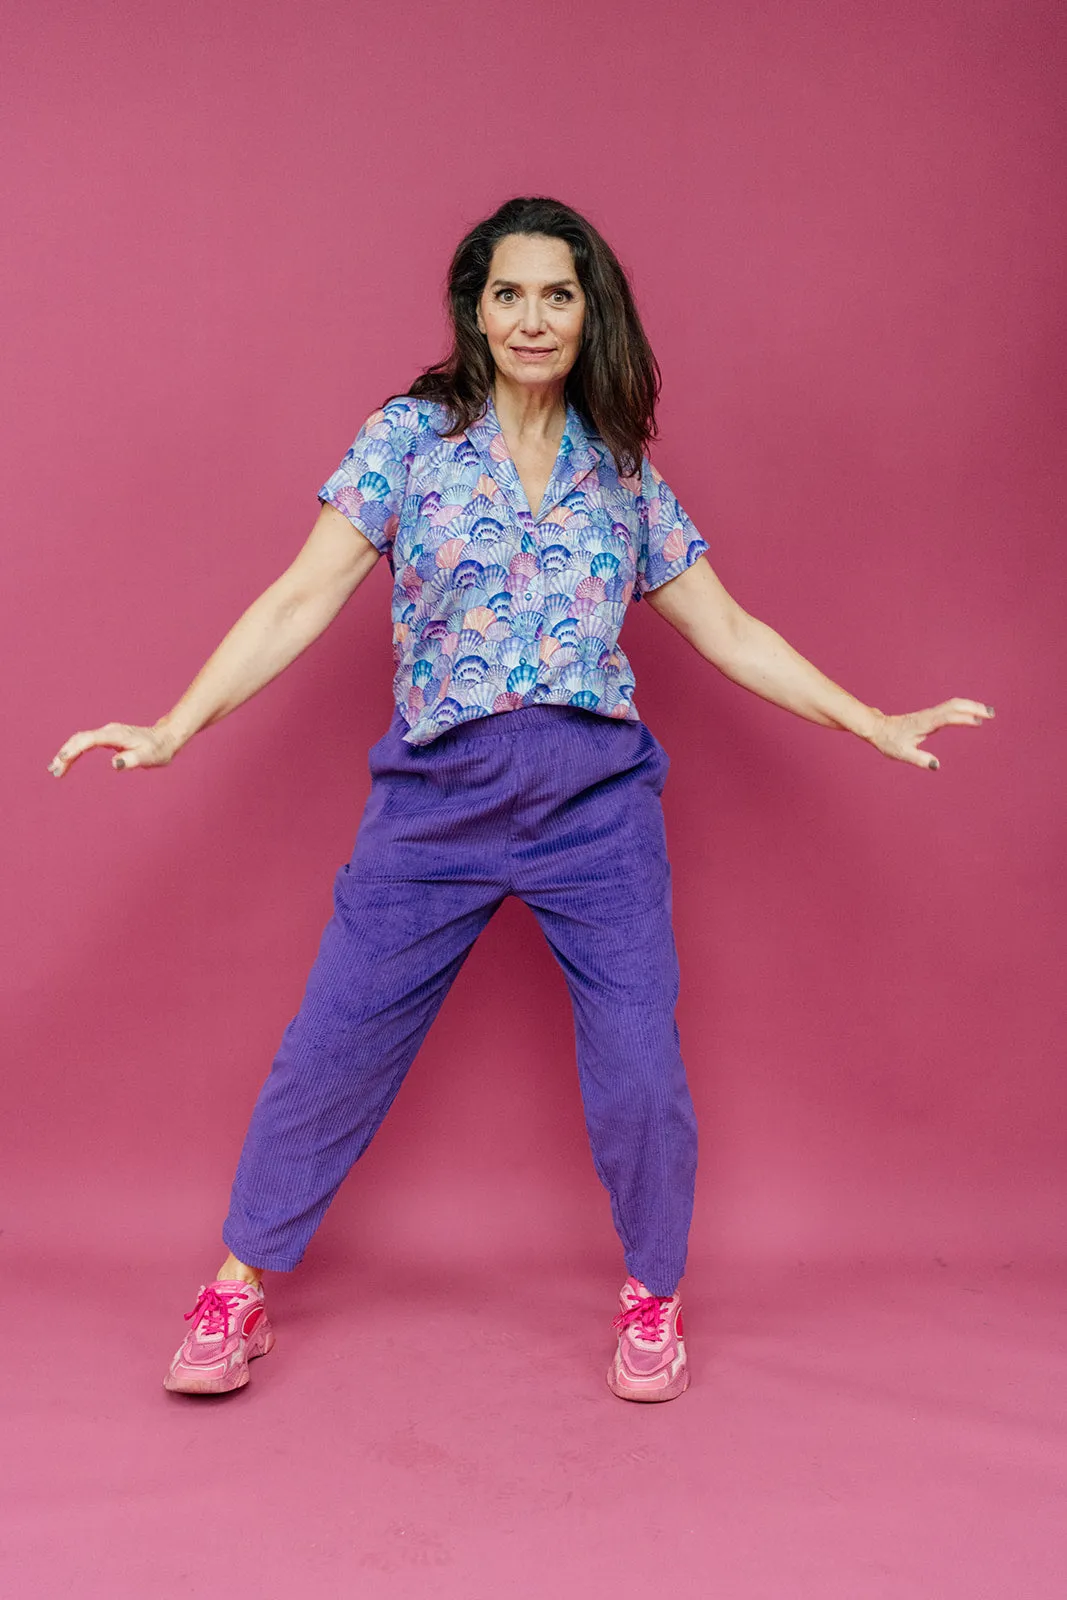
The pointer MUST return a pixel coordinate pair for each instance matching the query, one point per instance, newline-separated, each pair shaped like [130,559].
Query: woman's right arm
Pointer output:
[275,629]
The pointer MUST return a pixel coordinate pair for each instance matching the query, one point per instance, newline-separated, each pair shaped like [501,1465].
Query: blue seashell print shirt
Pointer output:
[494,608]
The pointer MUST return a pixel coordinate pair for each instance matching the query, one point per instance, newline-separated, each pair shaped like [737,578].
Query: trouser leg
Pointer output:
[387,959]
[622,975]
[596,874]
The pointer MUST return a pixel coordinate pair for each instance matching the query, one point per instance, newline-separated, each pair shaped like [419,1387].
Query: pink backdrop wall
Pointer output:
[227,235]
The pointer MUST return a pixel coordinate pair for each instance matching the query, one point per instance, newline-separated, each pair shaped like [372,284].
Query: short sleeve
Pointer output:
[370,484]
[669,541]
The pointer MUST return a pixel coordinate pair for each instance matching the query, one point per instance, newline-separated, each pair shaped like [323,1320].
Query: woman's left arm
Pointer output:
[753,655]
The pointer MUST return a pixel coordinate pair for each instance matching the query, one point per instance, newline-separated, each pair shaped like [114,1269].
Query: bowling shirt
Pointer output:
[494,607]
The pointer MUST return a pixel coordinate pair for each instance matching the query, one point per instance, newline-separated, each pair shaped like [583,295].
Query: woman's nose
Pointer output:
[533,316]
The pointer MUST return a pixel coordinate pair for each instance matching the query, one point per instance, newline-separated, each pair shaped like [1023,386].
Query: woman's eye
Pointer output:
[557,294]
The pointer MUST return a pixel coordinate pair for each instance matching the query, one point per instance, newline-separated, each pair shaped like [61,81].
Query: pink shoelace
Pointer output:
[212,1309]
[649,1313]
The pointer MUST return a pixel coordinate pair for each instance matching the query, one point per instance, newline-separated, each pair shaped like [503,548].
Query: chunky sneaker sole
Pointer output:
[650,1363]
[230,1329]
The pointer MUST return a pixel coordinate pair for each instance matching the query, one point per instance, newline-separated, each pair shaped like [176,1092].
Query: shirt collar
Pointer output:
[576,458]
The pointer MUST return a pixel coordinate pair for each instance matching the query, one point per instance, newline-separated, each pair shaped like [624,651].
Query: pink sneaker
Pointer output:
[650,1362]
[230,1328]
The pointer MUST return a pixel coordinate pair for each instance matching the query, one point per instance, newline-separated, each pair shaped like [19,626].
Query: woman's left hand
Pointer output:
[900,737]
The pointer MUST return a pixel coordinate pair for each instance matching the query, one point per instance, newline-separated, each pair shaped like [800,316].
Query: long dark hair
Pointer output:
[615,381]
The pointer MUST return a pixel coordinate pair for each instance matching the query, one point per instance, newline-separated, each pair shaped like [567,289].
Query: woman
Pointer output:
[511,494]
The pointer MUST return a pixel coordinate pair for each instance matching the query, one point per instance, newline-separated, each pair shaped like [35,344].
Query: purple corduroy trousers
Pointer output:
[556,805]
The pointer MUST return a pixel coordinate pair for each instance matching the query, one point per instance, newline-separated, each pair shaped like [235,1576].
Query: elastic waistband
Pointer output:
[509,724]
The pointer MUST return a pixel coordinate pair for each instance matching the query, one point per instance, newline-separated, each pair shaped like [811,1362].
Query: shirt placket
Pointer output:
[524,522]
[570,466]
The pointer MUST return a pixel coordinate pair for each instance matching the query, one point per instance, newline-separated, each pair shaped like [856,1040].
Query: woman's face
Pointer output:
[532,309]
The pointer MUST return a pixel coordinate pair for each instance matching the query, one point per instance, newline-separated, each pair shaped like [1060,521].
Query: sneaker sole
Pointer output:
[191,1383]
[647,1396]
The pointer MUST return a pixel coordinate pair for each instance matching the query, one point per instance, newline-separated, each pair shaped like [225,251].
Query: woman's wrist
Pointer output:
[843,711]
[174,731]
[869,722]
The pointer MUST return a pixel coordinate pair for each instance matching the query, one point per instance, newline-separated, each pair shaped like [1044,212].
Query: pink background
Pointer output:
[228,230]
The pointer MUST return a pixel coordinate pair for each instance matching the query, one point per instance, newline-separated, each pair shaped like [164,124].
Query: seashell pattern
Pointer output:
[493,608]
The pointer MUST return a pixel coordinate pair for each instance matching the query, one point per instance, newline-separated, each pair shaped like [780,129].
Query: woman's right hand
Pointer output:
[135,747]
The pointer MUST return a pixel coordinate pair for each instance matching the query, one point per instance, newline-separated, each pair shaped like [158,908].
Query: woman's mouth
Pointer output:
[529,352]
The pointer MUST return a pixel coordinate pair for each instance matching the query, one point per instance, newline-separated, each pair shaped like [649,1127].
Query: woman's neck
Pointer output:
[528,413]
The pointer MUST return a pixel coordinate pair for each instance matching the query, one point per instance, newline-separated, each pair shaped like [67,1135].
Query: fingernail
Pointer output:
[934,765]
[119,762]
[990,710]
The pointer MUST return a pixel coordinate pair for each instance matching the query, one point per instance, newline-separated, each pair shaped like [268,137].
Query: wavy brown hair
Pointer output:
[615,381]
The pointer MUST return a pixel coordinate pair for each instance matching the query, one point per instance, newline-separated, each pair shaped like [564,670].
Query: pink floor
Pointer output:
[850,1433]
